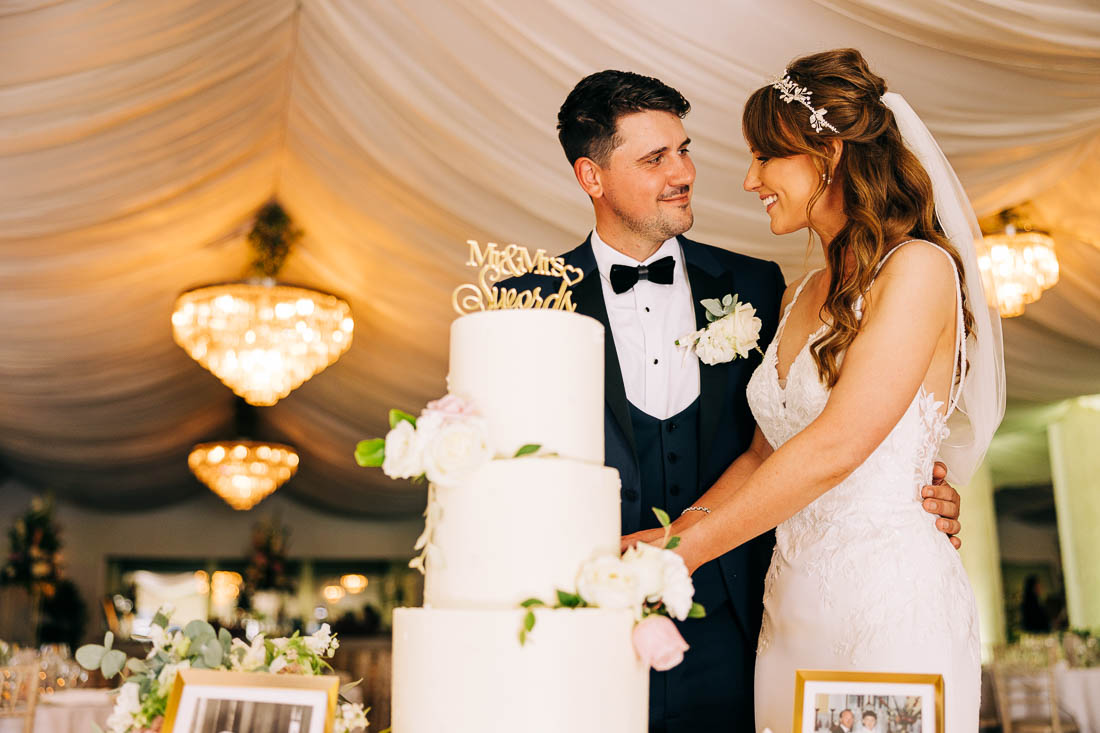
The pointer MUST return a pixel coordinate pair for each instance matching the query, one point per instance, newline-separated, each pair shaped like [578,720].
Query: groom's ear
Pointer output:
[589,175]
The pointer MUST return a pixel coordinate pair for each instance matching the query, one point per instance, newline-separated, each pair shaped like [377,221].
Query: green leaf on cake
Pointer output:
[530,602]
[662,517]
[528,450]
[161,620]
[397,416]
[569,600]
[529,620]
[370,453]
[697,611]
[673,542]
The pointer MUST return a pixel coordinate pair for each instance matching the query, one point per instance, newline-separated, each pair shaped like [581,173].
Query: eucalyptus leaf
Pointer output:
[370,453]
[662,516]
[532,602]
[199,630]
[522,637]
[108,640]
[673,542]
[529,620]
[113,662]
[226,639]
[161,620]
[713,306]
[697,611]
[727,301]
[212,653]
[136,666]
[351,685]
[528,450]
[90,656]
[397,416]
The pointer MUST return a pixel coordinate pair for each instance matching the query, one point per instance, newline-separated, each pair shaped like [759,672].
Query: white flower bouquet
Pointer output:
[652,582]
[732,330]
[143,696]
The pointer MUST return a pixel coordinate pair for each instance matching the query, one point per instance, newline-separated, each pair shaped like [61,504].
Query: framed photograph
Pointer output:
[868,702]
[207,701]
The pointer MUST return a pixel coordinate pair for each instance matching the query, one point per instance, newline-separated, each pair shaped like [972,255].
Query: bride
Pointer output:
[884,359]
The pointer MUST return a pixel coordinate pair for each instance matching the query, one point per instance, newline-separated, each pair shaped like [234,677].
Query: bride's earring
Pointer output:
[827,179]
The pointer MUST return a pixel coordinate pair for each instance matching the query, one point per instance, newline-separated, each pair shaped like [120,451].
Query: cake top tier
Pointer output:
[536,376]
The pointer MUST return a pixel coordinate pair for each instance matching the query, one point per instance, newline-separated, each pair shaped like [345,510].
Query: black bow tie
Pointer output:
[624,277]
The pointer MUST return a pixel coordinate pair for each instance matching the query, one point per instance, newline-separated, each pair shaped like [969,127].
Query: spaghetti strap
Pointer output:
[787,310]
[958,370]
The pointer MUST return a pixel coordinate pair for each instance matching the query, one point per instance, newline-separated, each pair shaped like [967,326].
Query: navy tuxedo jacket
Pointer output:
[725,422]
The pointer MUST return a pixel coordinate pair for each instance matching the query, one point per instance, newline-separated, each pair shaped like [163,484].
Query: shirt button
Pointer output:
[672,457]
[630,494]
[654,361]
[671,426]
[674,490]
[647,309]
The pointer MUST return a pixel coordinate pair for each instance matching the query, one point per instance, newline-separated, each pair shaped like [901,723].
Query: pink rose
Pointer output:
[450,406]
[658,642]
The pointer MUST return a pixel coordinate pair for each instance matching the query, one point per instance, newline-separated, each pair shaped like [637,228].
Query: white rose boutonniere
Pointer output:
[733,330]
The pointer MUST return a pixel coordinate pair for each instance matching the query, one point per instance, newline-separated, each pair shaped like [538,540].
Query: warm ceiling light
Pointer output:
[262,339]
[1021,262]
[332,593]
[354,583]
[243,472]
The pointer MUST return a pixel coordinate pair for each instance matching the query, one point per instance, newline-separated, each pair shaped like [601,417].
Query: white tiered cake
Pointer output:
[516,529]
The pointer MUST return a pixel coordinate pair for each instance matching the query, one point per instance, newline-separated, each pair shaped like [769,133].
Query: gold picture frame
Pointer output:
[247,699]
[812,684]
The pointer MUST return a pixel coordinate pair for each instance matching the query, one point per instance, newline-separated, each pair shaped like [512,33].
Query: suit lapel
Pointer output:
[706,281]
[588,295]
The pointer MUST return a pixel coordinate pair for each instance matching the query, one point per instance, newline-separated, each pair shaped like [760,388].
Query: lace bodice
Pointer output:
[870,530]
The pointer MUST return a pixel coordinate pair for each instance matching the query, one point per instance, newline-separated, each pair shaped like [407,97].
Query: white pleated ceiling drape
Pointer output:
[137,139]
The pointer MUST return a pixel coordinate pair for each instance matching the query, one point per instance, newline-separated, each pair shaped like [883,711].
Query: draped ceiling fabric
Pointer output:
[137,139]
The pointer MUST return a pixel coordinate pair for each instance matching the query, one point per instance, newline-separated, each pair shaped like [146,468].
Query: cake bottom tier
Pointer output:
[463,671]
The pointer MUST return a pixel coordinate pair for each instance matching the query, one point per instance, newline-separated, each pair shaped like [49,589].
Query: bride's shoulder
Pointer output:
[916,271]
[916,262]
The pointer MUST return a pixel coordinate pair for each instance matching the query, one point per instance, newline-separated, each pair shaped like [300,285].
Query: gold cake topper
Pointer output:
[497,263]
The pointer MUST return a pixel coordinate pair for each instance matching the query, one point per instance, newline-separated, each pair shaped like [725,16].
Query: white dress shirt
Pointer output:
[660,378]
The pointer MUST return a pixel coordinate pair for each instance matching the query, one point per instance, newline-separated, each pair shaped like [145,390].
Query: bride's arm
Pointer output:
[910,306]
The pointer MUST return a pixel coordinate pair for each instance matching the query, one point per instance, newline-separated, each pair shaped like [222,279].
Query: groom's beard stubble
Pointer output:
[661,226]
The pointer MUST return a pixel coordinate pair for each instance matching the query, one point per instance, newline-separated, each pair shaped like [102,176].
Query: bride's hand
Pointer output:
[941,500]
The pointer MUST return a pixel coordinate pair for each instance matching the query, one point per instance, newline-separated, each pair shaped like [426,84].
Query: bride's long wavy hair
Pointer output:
[886,192]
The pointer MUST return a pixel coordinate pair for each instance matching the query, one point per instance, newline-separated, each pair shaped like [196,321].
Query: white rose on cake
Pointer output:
[403,452]
[453,448]
[608,582]
[663,577]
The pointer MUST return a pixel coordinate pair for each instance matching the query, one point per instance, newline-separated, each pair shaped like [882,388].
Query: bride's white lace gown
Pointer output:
[861,579]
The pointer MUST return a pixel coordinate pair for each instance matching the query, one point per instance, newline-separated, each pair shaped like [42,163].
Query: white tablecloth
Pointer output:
[69,711]
[1079,693]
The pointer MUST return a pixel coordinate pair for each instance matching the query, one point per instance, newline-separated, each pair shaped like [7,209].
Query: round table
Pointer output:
[67,711]
[1079,695]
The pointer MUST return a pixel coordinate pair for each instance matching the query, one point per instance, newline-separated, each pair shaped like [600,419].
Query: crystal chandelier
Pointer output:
[1021,262]
[243,472]
[261,338]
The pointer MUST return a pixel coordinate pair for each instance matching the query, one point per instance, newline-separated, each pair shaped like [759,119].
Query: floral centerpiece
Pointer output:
[651,581]
[267,558]
[34,561]
[147,683]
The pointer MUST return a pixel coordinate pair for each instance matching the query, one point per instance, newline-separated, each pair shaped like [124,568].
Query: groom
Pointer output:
[672,424]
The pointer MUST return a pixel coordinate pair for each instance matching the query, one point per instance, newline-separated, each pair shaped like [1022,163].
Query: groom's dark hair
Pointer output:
[588,119]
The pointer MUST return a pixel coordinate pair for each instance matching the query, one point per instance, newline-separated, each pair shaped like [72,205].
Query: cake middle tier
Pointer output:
[517,529]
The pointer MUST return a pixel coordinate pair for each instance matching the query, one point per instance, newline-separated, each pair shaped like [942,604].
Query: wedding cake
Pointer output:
[517,528]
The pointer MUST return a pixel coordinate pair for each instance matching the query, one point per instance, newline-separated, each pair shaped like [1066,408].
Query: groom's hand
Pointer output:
[648,536]
[941,499]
